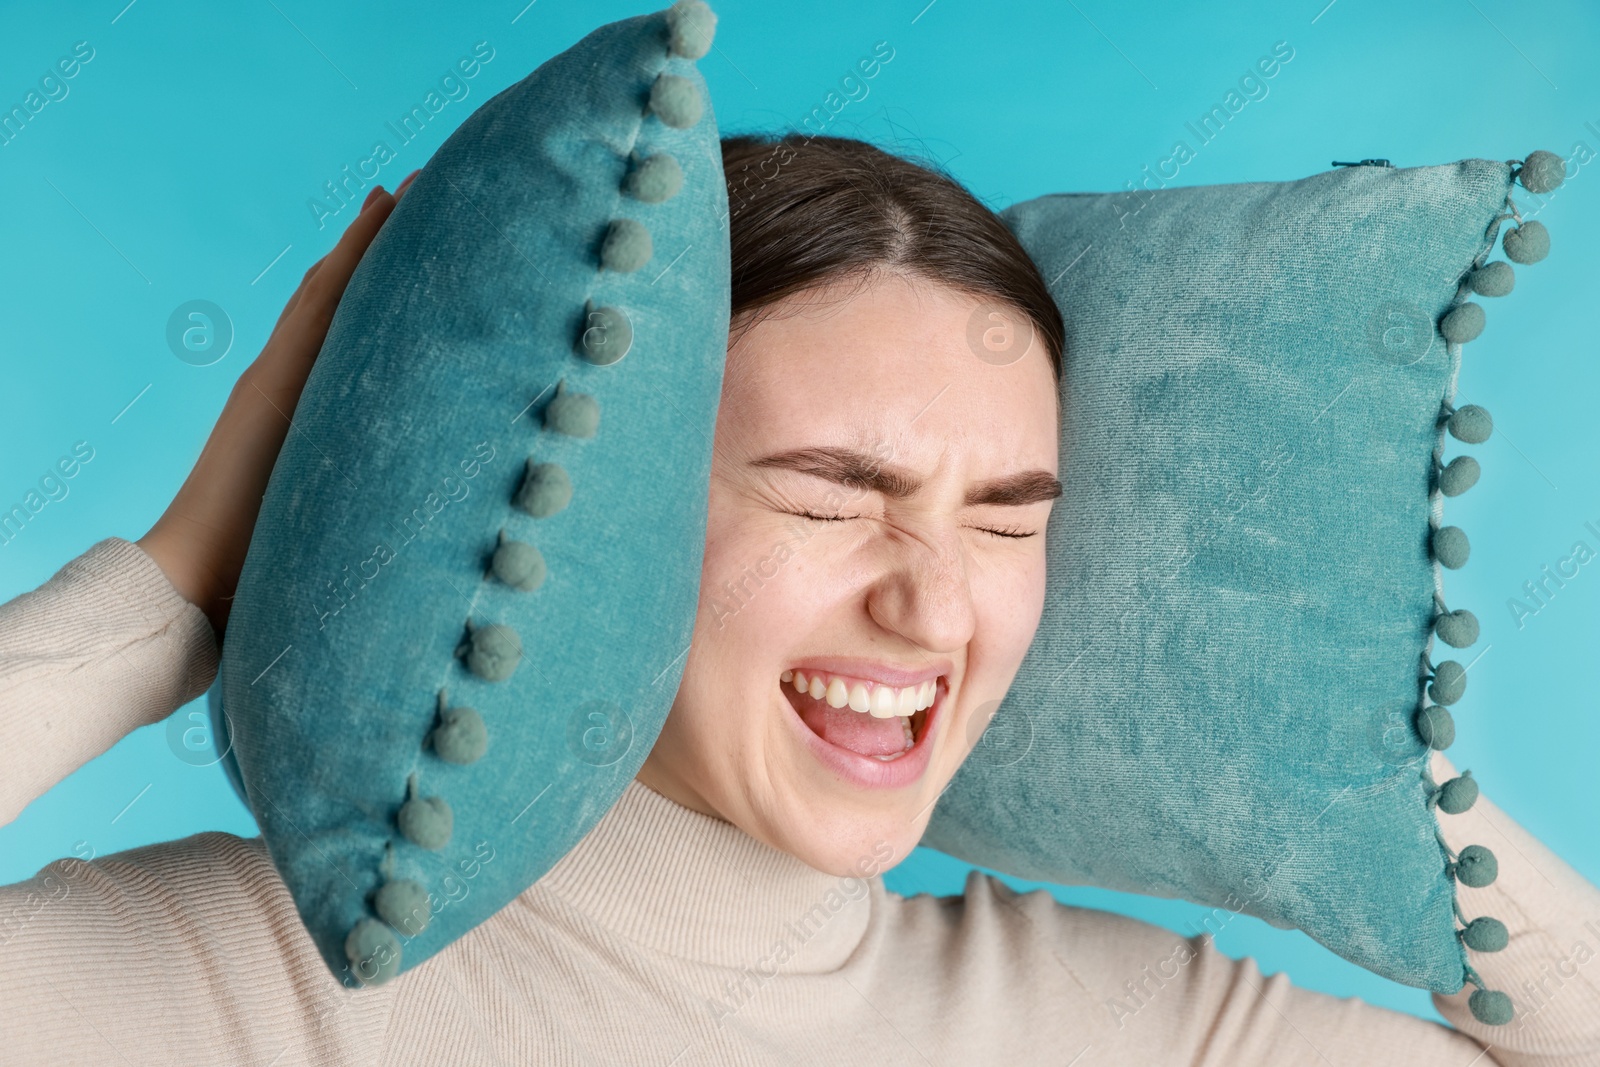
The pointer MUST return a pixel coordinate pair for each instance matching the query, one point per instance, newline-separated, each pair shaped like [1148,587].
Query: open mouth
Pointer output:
[867,718]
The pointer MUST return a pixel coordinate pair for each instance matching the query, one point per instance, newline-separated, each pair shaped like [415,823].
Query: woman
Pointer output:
[729,908]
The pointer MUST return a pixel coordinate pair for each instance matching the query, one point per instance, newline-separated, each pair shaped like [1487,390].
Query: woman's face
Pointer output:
[878,415]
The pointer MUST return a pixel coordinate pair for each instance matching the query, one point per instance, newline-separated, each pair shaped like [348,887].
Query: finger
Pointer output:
[294,297]
[306,324]
[346,253]
[353,231]
[377,191]
[337,266]
[401,190]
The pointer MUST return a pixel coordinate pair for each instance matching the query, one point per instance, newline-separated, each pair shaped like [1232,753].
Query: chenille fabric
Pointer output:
[1220,700]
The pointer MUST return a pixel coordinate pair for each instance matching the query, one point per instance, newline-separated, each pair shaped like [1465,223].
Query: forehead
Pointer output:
[888,364]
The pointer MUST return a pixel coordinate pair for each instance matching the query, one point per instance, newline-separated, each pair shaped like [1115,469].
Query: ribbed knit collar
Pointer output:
[701,889]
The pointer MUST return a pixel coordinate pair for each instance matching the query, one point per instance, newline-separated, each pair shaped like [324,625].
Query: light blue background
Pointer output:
[180,164]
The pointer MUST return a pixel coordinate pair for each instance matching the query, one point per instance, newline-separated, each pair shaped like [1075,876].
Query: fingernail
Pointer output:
[407,182]
[376,189]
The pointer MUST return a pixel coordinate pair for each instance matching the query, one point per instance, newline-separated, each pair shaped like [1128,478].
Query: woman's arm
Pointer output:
[127,632]
[1023,975]
[1548,969]
[105,646]
[187,951]
[1553,916]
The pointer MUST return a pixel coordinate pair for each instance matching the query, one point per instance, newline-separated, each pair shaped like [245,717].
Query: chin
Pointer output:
[851,845]
[861,802]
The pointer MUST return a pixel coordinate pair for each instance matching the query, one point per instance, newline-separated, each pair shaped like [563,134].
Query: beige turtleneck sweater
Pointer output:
[666,937]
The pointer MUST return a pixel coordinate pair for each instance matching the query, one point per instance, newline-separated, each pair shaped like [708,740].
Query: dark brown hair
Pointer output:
[807,210]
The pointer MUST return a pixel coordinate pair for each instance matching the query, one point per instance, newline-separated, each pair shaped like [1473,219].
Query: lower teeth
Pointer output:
[910,743]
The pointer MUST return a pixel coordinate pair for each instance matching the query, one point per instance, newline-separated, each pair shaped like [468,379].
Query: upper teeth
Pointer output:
[882,701]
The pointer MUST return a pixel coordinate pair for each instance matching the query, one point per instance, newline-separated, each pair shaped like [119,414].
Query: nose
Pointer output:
[922,591]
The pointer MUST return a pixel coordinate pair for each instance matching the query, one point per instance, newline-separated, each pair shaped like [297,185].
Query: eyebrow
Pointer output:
[850,467]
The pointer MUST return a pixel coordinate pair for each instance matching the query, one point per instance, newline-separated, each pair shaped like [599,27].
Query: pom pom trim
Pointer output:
[1444,683]
[491,652]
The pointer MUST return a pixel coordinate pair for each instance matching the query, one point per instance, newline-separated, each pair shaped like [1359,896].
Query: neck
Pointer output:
[674,788]
[694,886]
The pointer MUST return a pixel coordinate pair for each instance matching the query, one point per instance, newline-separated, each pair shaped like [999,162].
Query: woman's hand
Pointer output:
[201,539]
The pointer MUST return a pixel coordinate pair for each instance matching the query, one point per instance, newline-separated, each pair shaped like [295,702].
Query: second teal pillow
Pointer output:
[1247,648]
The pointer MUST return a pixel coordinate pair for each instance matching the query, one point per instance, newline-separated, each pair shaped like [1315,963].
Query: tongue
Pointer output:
[859,732]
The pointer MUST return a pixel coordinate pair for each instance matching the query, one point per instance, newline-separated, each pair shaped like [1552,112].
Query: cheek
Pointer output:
[1008,599]
[744,584]
[753,603]
[766,580]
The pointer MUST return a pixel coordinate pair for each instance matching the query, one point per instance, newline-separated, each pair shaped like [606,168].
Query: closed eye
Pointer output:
[1010,532]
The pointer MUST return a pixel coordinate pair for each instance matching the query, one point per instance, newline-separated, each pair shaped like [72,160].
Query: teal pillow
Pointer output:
[1235,682]
[461,621]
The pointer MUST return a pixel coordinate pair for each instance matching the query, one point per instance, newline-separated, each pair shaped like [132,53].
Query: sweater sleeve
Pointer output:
[183,952]
[105,646]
